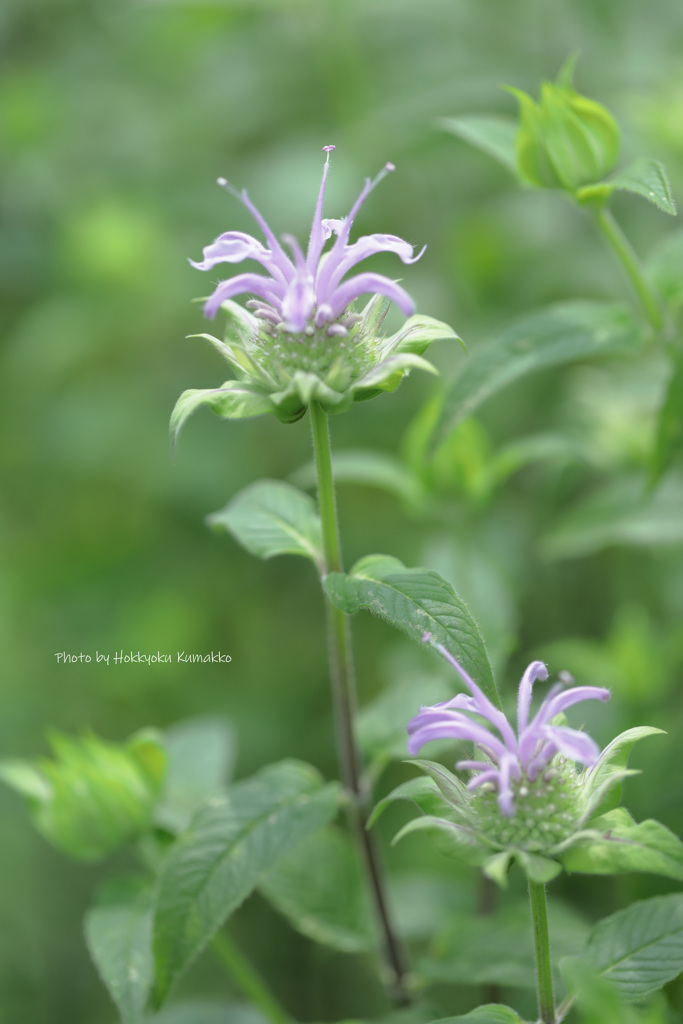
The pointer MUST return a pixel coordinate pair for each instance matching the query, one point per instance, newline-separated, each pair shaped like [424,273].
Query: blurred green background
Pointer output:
[115,120]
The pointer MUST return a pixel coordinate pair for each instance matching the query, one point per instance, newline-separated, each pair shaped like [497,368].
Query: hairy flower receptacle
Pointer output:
[547,810]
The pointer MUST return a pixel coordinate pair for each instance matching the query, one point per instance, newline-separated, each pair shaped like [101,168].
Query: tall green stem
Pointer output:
[248,979]
[544,971]
[344,695]
[624,250]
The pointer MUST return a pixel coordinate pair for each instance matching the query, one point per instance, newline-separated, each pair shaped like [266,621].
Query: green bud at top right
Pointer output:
[566,141]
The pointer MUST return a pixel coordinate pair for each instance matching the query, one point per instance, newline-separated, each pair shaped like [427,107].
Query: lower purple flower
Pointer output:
[510,761]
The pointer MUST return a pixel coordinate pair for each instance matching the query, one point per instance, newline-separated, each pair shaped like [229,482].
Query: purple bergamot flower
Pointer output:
[303,294]
[527,798]
[515,763]
[300,339]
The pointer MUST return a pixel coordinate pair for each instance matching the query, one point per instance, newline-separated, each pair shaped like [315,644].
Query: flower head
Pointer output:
[527,800]
[306,292]
[300,338]
[512,762]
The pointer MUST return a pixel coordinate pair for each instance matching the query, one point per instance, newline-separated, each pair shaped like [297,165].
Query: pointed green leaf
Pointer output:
[26,779]
[233,401]
[622,845]
[452,789]
[272,518]
[538,869]
[236,357]
[493,135]
[421,791]
[201,753]
[496,867]
[452,839]
[621,512]
[640,949]
[599,999]
[601,781]
[230,844]
[387,374]
[240,325]
[118,932]
[418,333]
[560,334]
[291,403]
[646,178]
[320,889]
[415,601]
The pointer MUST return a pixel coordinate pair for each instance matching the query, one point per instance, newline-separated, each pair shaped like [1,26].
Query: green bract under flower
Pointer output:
[281,373]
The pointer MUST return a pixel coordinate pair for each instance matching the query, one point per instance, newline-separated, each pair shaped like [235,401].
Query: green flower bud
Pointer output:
[566,141]
[94,796]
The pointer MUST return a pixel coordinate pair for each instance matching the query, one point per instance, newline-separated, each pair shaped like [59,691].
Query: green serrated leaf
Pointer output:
[493,135]
[230,844]
[560,334]
[640,949]
[118,932]
[234,400]
[599,1000]
[320,889]
[415,601]
[620,512]
[201,753]
[646,178]
[622,845]
[272,518]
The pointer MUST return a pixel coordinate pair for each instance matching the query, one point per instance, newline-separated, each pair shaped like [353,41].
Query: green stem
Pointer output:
[248,979]
[624,250]
[344,695]
[544,973]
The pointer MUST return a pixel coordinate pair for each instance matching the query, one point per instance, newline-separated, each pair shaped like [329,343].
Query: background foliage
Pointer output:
[115,121]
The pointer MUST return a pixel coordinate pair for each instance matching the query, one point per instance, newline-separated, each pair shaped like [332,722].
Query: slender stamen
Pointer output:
[316,240]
